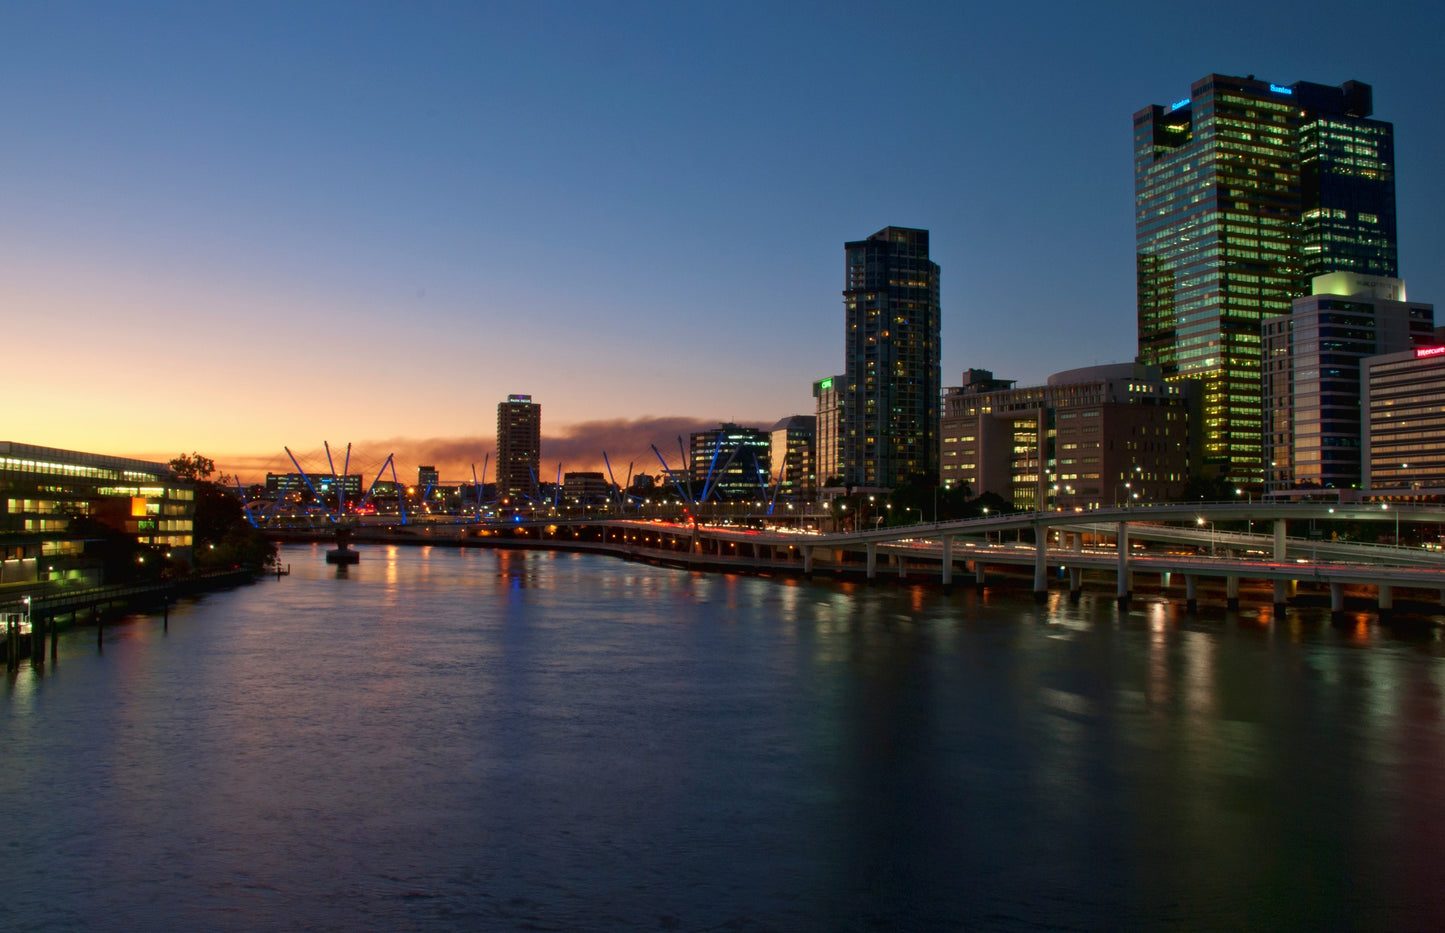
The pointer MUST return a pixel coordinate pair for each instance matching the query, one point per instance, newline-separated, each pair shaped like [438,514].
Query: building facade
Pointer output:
[1404,422]
[1312,414]
[791,456]
[1243,191]
[892,363]
[828,431]
[586,488]
[730,462]
[46,492]
[519,448]
[1089,438]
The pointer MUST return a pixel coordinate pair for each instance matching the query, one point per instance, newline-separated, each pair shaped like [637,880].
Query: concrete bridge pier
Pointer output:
[1121,591]
[1191,592]
[1076,583]
[978,575]
[1041,568]
[1231,592]
[807,561]
[1281,596]
[902,562]
[946,570]
[1337,599]
[872,550]
[1386,599]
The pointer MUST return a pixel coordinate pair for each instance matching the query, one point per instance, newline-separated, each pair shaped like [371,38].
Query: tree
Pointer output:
[193,467]
[222,536]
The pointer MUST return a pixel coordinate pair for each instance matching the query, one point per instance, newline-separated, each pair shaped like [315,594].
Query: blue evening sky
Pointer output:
[217,215]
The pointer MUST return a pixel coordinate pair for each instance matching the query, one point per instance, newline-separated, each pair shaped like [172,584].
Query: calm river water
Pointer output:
[503,740]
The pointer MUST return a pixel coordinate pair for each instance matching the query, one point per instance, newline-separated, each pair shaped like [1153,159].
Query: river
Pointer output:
[446,739]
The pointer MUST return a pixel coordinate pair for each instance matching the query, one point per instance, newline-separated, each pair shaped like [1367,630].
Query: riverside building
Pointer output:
[519,448]
[45,493]
[791,454]
[1243,191]
[1404,423]
[730,462]
[1093,437]
[829,427]
[892,364]
[1312,388]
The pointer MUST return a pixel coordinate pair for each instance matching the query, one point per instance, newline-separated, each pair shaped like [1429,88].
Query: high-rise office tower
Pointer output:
[892,372]
[1243,191]
[829,430]
[519,447]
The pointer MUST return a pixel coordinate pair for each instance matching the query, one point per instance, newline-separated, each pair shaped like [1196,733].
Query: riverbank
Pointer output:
[49,613]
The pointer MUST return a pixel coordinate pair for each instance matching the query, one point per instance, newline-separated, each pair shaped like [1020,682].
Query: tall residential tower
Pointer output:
[892,371]
[1243,191]
[519,447]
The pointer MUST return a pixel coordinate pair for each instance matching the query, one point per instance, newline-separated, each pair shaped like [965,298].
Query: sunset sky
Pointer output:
[231,227]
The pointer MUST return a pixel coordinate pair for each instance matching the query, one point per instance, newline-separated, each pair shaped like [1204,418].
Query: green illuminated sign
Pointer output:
[826,384]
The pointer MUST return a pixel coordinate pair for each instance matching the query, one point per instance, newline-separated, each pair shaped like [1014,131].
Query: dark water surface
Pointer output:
[486,740]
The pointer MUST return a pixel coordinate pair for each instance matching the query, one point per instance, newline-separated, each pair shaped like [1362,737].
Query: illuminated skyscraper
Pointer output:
[1243,191]
[519,447]
[892,372]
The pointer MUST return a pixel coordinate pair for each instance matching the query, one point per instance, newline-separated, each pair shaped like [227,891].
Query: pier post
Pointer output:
[1281,596]
[1041,569]
[1121,590]
[54,639]
[1279,539]
[902,561]
[1076,583]
[872,551]
[807,561]
[1231,592]
[1337,598]
[978,575]
[946,573]
[1387,600]
[1191,592]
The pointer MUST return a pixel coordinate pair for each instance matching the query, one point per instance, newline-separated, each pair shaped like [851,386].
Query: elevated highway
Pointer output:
[1169,540]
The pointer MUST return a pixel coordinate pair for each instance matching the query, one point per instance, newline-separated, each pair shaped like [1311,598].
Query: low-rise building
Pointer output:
[1092,437]
[45,493]
[1404,422]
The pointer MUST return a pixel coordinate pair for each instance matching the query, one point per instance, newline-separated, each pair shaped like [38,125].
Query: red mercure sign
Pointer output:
[1423,352]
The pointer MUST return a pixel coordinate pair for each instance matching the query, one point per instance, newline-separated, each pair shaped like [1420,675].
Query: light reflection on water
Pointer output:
[512,739]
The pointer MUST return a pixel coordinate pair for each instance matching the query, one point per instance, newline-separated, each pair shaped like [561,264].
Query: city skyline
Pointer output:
[230,232]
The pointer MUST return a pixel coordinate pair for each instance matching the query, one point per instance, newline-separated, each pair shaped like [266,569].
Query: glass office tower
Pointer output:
[893,374]
[1242,191]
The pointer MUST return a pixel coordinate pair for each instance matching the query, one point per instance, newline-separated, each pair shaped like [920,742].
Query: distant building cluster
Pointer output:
[1277,350]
